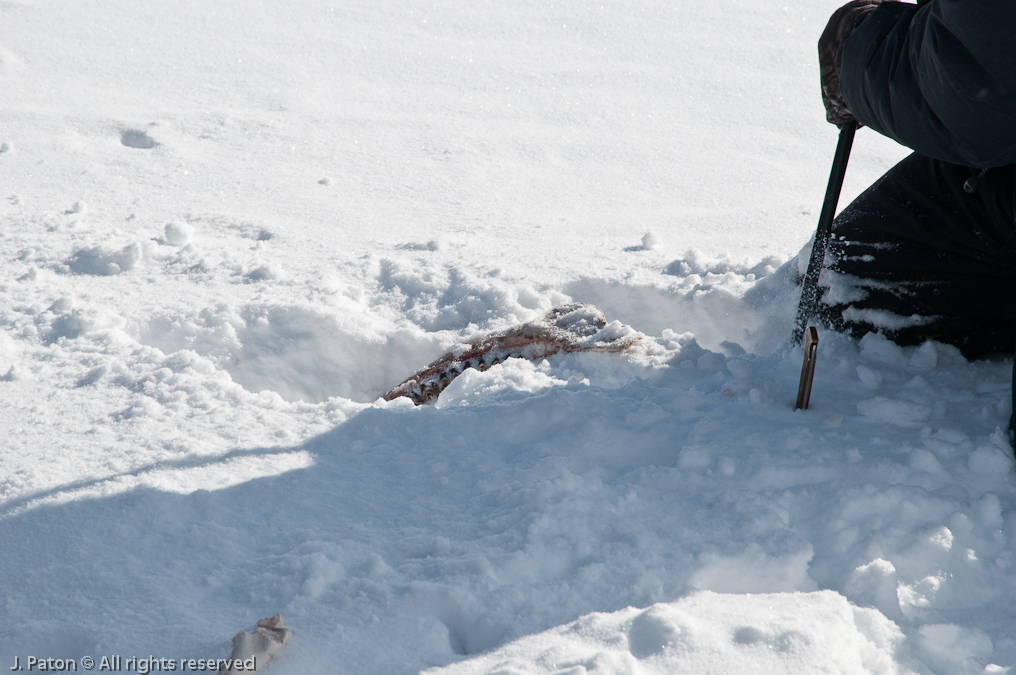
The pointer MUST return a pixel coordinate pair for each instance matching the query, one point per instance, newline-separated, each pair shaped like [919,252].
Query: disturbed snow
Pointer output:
[227,230]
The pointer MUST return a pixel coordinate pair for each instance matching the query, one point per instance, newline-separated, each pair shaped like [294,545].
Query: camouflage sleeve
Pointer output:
[830,56]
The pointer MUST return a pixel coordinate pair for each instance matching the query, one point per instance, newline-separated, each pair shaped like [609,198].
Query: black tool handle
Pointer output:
[809,289]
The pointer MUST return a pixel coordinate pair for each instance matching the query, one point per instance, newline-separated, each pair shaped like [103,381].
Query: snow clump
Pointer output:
[101,261]
[178,233]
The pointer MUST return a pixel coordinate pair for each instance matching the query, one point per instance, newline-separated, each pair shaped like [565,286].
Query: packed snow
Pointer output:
[228,228]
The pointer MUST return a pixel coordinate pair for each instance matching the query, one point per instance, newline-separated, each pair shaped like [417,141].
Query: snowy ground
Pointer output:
[227,228]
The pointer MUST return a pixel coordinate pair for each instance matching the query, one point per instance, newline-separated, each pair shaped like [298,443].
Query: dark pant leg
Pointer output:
[917,257]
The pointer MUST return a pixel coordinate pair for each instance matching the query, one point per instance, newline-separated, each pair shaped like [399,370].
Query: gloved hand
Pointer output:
[830,56]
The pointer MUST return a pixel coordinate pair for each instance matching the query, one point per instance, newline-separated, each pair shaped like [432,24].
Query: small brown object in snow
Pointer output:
[268,637]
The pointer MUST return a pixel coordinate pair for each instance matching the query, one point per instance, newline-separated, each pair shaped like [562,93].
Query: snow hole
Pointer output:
[299,353]
[133,138]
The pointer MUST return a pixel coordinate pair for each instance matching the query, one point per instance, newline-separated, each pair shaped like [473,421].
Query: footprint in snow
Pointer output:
[133,138]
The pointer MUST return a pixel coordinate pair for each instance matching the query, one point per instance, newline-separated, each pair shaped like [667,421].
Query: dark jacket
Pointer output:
[940,79]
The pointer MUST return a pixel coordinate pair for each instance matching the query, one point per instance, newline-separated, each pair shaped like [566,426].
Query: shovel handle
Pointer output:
[809,288]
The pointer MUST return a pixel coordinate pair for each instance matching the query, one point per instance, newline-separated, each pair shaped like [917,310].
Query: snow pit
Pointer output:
[714,313]
[298,353]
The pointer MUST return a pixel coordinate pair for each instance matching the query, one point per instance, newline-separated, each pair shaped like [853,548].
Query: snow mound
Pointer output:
[768,634]
[514,375]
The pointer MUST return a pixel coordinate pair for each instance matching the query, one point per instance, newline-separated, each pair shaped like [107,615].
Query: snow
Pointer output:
[229,228]
[761,633]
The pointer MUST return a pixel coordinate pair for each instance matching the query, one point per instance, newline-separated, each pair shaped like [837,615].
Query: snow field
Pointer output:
[227,229]
[537,492]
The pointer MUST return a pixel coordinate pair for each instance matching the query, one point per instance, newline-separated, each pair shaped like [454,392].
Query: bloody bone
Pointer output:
[568,328]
